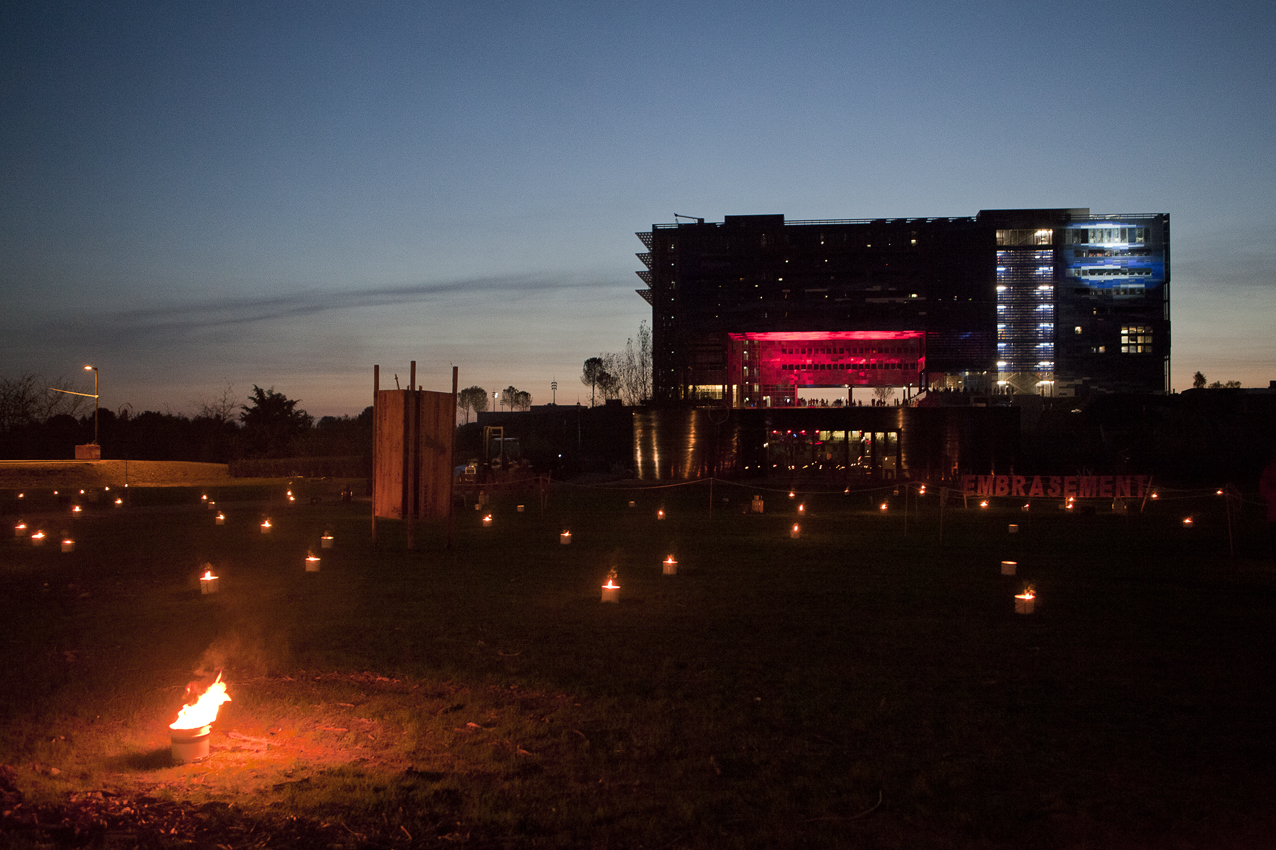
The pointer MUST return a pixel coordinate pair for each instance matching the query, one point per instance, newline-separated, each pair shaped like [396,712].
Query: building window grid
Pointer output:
[1025,311]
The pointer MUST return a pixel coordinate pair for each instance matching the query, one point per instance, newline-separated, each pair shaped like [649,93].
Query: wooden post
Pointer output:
[451,479]
[411,424]
[376,438]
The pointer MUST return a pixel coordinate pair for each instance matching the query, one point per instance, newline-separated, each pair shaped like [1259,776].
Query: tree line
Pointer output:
[38,422]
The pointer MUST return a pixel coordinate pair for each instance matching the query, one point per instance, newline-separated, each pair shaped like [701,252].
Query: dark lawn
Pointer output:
[858,686]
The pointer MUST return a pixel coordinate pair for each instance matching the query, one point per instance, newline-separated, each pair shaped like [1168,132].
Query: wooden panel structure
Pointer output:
[412,468]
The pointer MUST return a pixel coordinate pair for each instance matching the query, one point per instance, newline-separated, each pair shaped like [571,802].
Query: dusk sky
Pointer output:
[202,194]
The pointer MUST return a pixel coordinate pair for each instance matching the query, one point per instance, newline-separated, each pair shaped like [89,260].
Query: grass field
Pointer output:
[866,685]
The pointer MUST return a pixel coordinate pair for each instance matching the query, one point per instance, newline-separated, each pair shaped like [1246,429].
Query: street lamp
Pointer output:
[95,398]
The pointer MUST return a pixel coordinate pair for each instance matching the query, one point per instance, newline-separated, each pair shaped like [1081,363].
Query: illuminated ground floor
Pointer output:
[835,445]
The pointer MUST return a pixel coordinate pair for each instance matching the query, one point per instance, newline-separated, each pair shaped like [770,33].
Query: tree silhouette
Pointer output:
[272,423]
[472,398]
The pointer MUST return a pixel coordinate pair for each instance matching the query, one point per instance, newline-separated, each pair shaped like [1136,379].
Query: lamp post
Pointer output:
[95,398]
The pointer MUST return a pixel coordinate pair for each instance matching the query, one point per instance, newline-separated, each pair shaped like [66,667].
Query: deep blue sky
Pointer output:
[286,193]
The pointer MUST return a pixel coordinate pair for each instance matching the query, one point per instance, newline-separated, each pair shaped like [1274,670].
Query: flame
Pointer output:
[75,509]
[796,528]
[266,524]
[119,501]
[670,560]
[39,535]
[660,514]
[883,506]
[984,503]
[204,709]
[1028,593]
[1187,520]
[208,574]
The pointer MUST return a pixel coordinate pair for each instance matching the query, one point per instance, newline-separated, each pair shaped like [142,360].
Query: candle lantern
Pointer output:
[670,566]
[1187,522]
[801,509]
[757,505]
[565,538]
[795,532]
[68,545]
[119,503]
[203,497]
[660,514]
[37,539]
[212,506]
[265,526]
[1008,567]
[312,563]
[1025,602]
[792,495]
[611,590]
[220,519]
[325,542]
[76,510]
[20,529]
[208,583]
[631,503]
[882,507]
[984,503]
[487,521]
[519,509]
[1014,528]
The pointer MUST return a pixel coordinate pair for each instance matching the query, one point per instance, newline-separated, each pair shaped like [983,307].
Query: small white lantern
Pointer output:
[325,542]
[757,505]
[611,590]
[265,526]
[631,503]
[20,529]
[208,583]
[1014,528]
[670,566]
[1025,602]
[487,521]
[660,514]
[312,563]
[76,511]
[519,509]
[37,539]
[795,532]
[68,545]
[1008,567]
[565,538]
[220,519]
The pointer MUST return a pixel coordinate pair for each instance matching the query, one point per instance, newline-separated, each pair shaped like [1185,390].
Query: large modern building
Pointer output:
[754,311]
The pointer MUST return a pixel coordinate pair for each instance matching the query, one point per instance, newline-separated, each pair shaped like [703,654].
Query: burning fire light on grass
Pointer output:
[611,590]
[189,733]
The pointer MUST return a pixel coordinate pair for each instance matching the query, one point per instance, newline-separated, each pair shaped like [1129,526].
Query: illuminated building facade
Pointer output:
[755,310]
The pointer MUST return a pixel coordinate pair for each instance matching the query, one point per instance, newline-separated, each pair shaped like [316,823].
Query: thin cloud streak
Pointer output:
[229,312]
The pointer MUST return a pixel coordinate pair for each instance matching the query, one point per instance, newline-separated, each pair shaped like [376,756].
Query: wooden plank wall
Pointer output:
[413,474]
